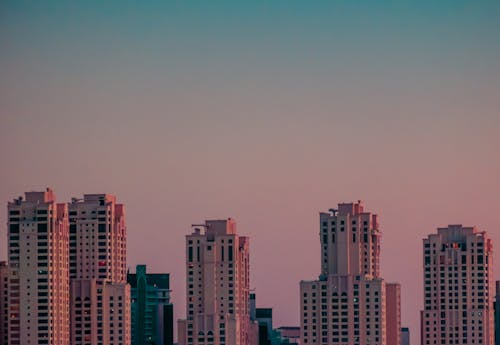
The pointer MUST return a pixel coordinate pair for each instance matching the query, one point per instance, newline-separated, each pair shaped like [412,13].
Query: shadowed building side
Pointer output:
[4,305]
[152,312]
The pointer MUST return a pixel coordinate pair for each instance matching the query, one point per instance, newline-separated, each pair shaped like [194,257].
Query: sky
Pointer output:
[266,112]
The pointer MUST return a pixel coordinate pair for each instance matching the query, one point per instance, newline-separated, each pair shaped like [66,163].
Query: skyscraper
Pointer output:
[217,286]
[38,270]
[100,295]
[152,312]
[347,304]
[458,287]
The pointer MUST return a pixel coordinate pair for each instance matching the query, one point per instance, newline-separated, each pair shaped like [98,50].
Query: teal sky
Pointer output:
[266,111]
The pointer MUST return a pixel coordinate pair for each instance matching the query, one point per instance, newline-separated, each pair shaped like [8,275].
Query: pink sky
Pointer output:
[267,113]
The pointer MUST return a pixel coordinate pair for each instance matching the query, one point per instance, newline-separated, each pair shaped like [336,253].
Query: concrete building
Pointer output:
[458,287]
[152,312]
[497,313]
[347,304]
[38,270]
[217,286]
[393,312]
[4,302]
[100,295]
[405,336]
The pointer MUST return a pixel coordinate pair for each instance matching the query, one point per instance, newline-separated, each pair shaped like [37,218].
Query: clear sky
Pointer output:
[267,112]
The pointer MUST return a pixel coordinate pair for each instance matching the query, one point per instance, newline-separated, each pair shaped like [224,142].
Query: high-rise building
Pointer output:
[393,313]
[100,295]
[38,270]
[4,303]
[405,336]
[217,286]
[458,287]
[152,312]
[497,312]
[347,304]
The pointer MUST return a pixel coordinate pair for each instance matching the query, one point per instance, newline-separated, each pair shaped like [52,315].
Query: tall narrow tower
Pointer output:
[38,270]
[347,305]
[217,286]
[100,295]
[458,287]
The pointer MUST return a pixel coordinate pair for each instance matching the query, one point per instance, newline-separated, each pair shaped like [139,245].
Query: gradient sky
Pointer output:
[267,112]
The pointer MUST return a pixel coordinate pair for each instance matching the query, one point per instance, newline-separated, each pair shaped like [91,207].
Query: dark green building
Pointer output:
[152,313]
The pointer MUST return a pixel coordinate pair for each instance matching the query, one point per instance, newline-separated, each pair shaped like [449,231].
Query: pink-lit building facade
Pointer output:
[458,287]
[347,304]
[38,285]
[100,295]
[217,287]
[393,313]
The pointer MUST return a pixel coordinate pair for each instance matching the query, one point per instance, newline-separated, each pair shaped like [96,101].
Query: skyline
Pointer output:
[266,113]
[179,314]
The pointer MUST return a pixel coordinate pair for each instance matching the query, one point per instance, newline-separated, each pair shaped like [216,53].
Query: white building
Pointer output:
[217,286]
[458,287]
[38,265]
[100,295]
[347,304]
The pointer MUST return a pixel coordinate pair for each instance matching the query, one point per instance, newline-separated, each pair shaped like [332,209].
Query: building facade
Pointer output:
[4,302]
[347,304]
[100,295]
[217,286]
[393,312]
[458,287]
[38,270]
[497,312]
[152,312]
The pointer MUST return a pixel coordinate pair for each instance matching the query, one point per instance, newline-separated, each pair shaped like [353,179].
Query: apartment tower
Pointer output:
[38,270]
[100,295]
[347,304]
[458,287]
[217,286]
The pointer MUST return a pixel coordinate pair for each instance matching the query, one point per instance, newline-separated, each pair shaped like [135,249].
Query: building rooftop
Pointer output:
[216,227]
[159,280]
